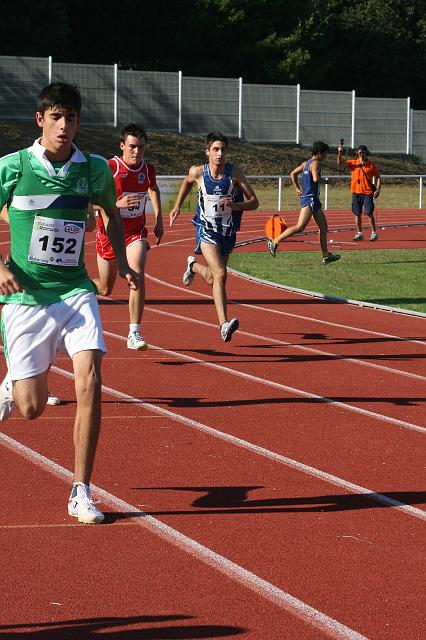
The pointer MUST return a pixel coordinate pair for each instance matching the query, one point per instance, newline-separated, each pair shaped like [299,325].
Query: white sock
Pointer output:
[134,328]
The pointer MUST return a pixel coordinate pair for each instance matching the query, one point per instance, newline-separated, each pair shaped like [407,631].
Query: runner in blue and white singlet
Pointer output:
[213,219]
[223,194]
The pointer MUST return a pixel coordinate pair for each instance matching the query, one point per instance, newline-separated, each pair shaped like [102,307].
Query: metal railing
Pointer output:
[282,179]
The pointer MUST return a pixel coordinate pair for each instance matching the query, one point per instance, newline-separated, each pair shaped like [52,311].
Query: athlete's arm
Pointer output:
[4,215]
[154,194]
[315,171]
[340,159]
[193,176]
[293,177]
[131,200]
[8,281]
[90,220]
[250,199]
[115,231]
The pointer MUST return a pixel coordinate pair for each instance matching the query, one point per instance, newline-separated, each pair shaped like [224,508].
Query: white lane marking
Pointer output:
[271,383]
[261,338]
[261,587]
[272,455]
[287,314]
[331,355]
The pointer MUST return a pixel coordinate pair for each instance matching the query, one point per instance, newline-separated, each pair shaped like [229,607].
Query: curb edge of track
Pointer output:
[326,297]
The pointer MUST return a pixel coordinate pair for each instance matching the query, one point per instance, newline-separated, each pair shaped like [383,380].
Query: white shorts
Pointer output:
[33,334]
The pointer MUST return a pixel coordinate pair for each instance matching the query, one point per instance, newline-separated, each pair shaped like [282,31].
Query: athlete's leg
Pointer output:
[136,257]
[87,371]
[107,275]
[304,216]
[216,271]
[30,395]
[321,221]
[369,211]
[357,211]
[204,271]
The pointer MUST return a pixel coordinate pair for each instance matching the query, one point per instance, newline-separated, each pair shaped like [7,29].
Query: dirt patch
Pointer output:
[173,154]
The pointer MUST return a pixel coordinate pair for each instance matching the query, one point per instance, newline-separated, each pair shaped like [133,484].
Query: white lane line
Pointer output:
[276,385]
[298,347]
[266,590]
[254,448]
[288,314]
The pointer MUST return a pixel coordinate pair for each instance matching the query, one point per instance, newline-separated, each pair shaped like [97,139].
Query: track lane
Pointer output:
[256,524]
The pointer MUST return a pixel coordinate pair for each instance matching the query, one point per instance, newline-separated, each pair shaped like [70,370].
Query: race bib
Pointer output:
[56,242]
[213,208]
[134,212]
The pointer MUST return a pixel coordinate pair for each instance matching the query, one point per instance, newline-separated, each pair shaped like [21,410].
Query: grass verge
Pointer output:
[391,277]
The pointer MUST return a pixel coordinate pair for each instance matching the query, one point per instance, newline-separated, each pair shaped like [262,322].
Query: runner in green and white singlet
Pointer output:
[49,299]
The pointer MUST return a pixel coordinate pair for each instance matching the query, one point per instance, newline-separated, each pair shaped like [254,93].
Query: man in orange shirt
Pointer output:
[364,191]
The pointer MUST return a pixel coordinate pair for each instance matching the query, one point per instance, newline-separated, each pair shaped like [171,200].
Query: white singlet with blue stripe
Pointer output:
[211,215]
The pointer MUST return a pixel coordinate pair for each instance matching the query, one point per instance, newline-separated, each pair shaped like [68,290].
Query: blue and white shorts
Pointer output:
[226,244]
[313,203]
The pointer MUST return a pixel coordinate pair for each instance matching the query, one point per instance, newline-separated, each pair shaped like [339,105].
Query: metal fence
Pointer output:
[275,192]
[166,101]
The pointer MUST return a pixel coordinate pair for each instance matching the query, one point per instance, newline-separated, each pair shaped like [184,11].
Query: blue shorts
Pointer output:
[360,200]
[310,201]
[226,244]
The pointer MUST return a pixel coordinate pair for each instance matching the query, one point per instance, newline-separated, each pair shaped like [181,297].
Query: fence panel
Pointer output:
[96,84]
[381,124]
[269,113]
[21,81]
[149,98]
[210,104]
[326,116]
[419,134]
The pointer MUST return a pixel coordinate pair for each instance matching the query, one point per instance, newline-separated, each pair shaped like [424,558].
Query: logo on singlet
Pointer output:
[72,228]
[82,187]
[141,178]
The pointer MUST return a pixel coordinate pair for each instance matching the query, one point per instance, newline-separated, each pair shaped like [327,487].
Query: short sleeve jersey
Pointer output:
[362,176]
[130,180]
[47,208]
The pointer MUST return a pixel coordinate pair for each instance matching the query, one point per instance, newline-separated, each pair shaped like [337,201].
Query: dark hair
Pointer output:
[319,147]
[213,136]
[135,130]
[59,94]
[362,147]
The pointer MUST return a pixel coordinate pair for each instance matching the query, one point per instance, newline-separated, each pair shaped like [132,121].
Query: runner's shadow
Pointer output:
[234,499]
[204,403]
[88,629]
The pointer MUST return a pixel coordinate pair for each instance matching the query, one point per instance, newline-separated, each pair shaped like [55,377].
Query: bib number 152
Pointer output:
[56,242]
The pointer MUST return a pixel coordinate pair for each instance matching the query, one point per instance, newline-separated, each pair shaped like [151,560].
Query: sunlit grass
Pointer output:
[394,278]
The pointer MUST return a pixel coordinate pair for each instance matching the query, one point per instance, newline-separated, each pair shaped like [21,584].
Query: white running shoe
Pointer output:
[358,236]
[136,342]
[7,404]
[272,248]
[373,236]
[188,276]
[228,328]
[81,505]
[53,400]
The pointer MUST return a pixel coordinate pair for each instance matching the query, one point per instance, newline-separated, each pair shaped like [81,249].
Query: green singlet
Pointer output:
[47,206]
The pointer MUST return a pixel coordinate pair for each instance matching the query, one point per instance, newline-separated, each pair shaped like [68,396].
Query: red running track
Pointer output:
[267,488]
